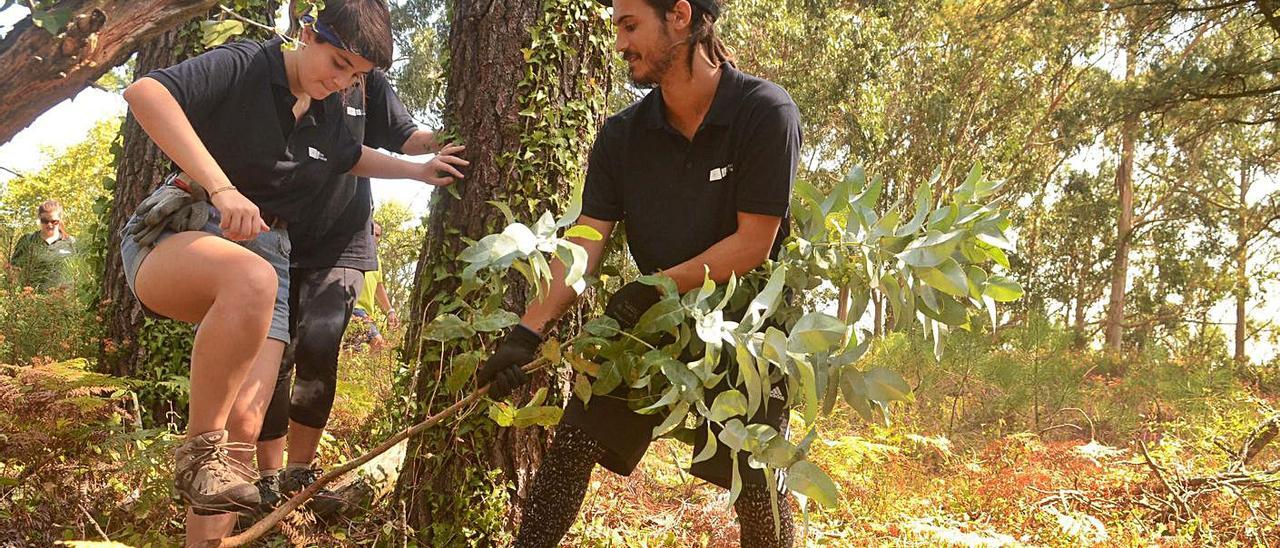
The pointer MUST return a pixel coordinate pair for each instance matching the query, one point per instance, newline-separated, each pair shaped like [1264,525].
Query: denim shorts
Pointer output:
[272,246]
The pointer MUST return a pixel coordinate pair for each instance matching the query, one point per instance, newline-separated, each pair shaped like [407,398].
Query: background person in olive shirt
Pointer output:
[41,257]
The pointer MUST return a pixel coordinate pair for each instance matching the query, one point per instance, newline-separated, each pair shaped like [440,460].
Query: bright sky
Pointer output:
[69,122]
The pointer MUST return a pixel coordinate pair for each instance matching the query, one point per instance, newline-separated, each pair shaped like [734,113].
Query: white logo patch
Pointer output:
[353,111]
[316,154]
[720,173]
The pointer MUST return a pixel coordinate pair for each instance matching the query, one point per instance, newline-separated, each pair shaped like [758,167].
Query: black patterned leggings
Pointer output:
[561,484]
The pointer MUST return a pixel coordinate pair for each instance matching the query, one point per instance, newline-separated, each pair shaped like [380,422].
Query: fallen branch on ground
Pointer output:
[265,524]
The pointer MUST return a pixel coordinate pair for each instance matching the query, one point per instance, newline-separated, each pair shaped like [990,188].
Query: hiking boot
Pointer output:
[324,504]
[269,497]
[208,480]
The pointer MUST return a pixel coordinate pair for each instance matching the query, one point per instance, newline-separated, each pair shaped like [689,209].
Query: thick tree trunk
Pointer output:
[42,68]
[1124,218]
[482,110]
[138,171]
[1242,265]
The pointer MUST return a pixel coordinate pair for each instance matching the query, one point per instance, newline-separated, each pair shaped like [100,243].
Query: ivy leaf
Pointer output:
[215,33]
[447,327]
[464,366]
[495,321]
[807,479]
[52,20]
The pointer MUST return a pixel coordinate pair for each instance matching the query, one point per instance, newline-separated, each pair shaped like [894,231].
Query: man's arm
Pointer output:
[547,310]
[739,253]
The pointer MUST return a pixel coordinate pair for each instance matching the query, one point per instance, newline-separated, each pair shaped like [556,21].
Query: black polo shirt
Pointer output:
[677,197]
[339,232]
[237,98]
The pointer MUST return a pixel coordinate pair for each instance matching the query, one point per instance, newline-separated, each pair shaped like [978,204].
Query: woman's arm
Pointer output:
[162,118]
[440,171]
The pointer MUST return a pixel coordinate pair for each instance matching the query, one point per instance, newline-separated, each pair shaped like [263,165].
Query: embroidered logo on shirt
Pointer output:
[720,173]
[316,154]
[353,111]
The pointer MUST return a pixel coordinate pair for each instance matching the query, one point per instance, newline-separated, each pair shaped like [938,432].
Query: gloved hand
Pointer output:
[630,303]
[502,371]
[170,208]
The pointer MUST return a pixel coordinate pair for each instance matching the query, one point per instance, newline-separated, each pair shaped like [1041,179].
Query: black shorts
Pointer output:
[626,434]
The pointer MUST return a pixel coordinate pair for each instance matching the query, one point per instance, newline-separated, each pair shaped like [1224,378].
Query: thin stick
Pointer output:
[96,527]
[265,524]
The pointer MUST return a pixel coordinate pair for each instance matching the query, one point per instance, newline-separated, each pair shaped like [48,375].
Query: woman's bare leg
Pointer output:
[199,277]
[243,425]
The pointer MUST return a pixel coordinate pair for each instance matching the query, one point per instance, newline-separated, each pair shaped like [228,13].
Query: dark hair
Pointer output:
[702,32]
[364,25]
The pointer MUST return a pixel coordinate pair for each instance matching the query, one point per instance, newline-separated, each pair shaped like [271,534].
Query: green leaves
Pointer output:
[214,33]
[1002,289]
[729,403]
[447,327]
[816,332]
[807,479]
[947,277]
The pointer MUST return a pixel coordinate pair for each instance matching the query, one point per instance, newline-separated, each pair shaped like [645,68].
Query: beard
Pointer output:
[660,62]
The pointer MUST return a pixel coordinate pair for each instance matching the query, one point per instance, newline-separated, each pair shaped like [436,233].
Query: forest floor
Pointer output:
[1172,478]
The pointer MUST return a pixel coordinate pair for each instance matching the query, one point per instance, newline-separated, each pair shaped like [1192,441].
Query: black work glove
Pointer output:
[502,371]
[630,303]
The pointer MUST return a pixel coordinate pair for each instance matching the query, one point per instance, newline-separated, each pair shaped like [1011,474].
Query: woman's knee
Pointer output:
[250,284]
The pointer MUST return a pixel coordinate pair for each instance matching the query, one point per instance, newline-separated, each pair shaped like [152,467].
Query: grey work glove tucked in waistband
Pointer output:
[171,208]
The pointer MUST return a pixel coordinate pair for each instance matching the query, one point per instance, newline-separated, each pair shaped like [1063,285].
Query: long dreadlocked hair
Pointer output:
[703,32]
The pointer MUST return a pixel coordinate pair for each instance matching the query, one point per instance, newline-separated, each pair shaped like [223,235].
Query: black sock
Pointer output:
[755,519]
[558,488]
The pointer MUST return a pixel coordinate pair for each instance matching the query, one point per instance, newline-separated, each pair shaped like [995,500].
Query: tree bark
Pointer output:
[1124,220]
[42,68]
[482,110]
[139,169]
[1242,265]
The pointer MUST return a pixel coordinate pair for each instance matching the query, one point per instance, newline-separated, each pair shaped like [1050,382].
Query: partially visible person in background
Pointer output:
[42,257]
[374,293]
